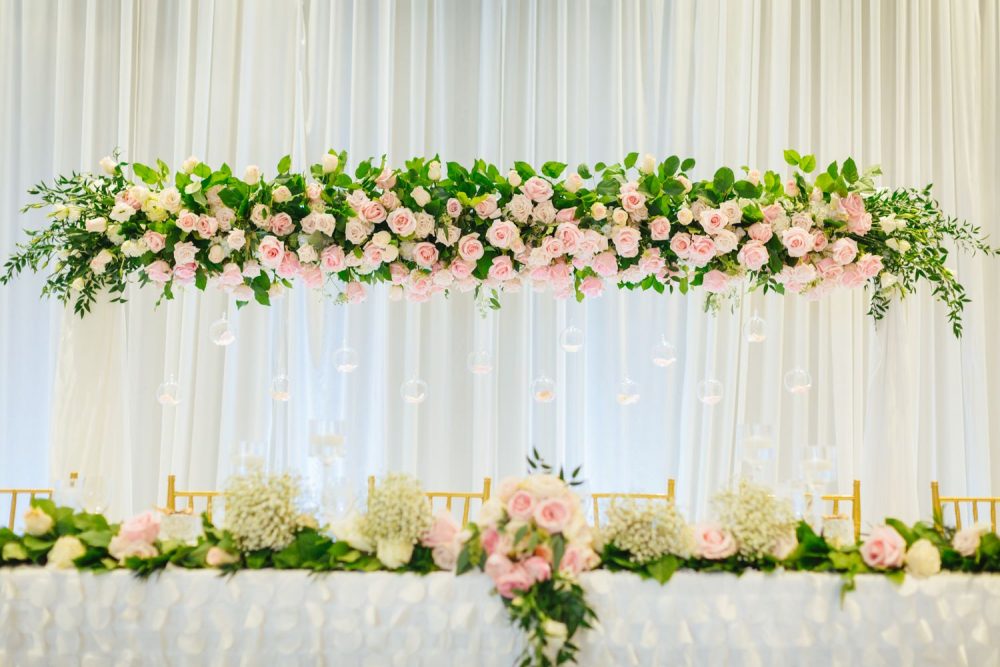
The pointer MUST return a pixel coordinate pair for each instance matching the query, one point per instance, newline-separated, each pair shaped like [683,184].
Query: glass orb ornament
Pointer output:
[168,393]
[710,391]
[413,391]
[480,362]
[345,360]
[755,329]
[221,333]
[281,388]
[543,390]
[663,354]
[628,392]
[571,339]
[798,381]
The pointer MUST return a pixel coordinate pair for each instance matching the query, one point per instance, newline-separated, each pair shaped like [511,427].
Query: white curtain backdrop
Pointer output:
[910,85]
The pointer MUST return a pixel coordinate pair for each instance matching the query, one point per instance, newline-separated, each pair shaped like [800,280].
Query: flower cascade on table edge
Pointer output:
[433,227]
[532,541]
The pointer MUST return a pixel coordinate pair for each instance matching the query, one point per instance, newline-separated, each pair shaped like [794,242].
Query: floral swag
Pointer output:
[435,227]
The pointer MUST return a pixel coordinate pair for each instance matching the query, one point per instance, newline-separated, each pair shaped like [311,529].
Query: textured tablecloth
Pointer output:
[292,618]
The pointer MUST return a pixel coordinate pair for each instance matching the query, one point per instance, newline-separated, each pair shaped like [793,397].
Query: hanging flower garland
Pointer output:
[432,227]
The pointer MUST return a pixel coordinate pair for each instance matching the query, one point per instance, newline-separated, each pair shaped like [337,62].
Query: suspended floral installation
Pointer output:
[434,227]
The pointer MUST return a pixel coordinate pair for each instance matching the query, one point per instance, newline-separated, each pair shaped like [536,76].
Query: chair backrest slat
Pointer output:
[32,494]
[173,495]
[596,498]
[939,502]
[854,498]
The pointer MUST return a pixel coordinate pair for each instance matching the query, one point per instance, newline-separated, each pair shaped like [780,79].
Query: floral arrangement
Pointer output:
[533,541]
[262,511]
[431,227]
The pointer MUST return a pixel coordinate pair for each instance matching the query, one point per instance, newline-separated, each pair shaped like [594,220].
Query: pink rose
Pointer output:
[797,241]
[605,264]
[143,527]
[820,241]
[828,268]
[217,557]
[537,189]
[501,233]
[538,568]
[552,514]
[373,211]
[592,286]
[712,220]
[312,276]
[185,253]
[402,221]
[231,275]
[470,247]
[521,505]
[844,251]
[853,205]
[772,212]
[884,548]
[626,240]
[715,281]
[184,273]
[487,207]
[659,229]
[502,268]
[517,580]
[570,235]
[702,250]
[453,207]
[332,259]
[760,231]
[725,241]
[159,271]
[566,215]
[461,269]
[289,267]
[681,245]
[712,542]
[207,226]
[852,277]
[425,254]
[271,251]
[497,565]
[652,262]
[791,188]
[490,539]
[154,241]
[633,201]
[187,221]
[442,531]
[860,225]
[870,265]
[356,292]
[552,247]
[314,191]
[386,180]
[753,255]
[575,560]
[282,225]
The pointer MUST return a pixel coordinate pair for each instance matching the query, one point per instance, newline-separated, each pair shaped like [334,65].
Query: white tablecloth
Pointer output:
[292,618]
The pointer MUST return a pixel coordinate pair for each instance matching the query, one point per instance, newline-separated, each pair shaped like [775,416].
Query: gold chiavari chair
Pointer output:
[854,498]
[173,495]
[450,496]
[32,494]
[957,502]
[598,497]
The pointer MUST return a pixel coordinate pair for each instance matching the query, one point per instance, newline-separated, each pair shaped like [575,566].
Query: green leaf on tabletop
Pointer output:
[631,159]
[904,530]
[896,576]
[792,157]
[13,551]
[553,169]
[989,545]
[663,568]
[723,180]
[36,544]
[284,164]
[256,560]
[808,163]
[147,174]
[96,538]
[850,171]
[46,506]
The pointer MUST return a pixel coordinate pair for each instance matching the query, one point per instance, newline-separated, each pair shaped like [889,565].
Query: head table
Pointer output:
[273,617]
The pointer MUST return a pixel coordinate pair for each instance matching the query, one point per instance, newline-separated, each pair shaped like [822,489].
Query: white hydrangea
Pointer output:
[261,510]
[648,530]
[398,511]
[755,517]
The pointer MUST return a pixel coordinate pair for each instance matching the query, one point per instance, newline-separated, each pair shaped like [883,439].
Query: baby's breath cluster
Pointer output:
[756,518]
[398,511]
[648,530]
[261,510]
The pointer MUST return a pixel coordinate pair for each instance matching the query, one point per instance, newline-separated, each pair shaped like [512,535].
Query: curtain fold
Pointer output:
[913,86]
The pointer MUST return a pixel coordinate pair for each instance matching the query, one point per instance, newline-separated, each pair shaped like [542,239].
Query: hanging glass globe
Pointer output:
[221,333]
[798,381]
[281,388]
[755,329]
[710,391]
[543,390]
[480,362]
[345,360]
[663,353]
[168,393]
[413,391]
[571,339]
[628,392]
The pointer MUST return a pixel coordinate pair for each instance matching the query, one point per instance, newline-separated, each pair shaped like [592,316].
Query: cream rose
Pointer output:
[62,554]
[37,522]
[923,559]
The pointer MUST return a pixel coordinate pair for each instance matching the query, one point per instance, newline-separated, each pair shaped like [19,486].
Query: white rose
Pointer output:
[100,263]
[554,630]
[330,163]
[923,559]
[425,225]
[236,239]
[122,212]
[251,270]
[513,178]
[132,248]
[170,199]
[350,530]
[78,284]
[37,522]
[108,164]
[115,234]
[686,183]
[434,171]
[66,549]
[281,194]
[445,556]
[545,486]
[685,216]
[573,183]
[13,551]
[73,213]
[648,164]
[421,196]
[394,553]
[178,527]
[216,254]
[395,293]
[888,279]
[252,175]
[966,541]
[276,291]
[307,254]
[97,225]
[598,211]
[381,239]
[619,216]
[121,548]
[390,253]
[189,164]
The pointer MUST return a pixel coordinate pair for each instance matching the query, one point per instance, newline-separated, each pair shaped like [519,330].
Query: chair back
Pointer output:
[31,493]
[957,501]
[598,497]
[854,498]
[173,495]
[450,497]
